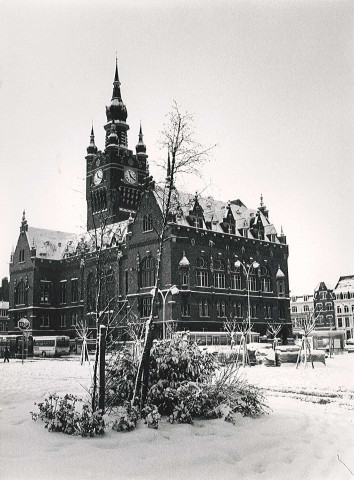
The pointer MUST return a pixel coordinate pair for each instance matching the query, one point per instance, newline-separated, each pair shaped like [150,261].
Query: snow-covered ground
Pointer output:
[309,433]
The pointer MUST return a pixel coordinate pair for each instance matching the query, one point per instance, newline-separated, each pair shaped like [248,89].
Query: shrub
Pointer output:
[121,371]
[151,416]
[127,417]
[60,414]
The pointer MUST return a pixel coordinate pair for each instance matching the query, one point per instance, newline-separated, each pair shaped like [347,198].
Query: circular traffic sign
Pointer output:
[23,324]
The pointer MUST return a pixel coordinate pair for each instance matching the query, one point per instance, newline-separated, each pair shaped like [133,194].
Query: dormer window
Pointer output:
[197,222]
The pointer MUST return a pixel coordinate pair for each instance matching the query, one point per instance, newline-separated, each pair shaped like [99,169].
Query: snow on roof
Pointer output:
[215,212]
[345,283]
[4,305]
[48,243]
[55,245]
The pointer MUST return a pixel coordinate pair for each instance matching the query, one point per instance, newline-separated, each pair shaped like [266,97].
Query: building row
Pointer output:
[333,307]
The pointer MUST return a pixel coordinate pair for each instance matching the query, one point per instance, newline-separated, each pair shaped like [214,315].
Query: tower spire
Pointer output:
[24,224]
[92,149]
[117,112]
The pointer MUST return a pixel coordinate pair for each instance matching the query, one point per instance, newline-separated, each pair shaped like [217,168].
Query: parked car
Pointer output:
[350,345]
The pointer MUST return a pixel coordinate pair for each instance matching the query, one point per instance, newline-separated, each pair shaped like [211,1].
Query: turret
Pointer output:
[262,208]
[24,224]
[92,149]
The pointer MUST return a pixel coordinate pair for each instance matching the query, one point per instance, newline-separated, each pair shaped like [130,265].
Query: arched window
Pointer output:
[268,311]
[21,293]
[147,222]
[237,309]
[203,308]
[235,278]
[147,272]
[202,274]
[219,274]
[339,309]
[221,308]
[252,280]
[266,285]
[253,311]
[346,309]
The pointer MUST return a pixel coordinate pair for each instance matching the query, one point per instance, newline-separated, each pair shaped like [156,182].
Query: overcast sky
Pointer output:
[270,82]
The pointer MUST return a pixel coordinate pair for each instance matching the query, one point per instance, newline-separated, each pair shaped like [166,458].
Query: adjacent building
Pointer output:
[324,307]
[344,305]
[208,266]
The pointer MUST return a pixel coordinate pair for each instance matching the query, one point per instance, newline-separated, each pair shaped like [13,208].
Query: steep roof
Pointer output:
[215,212]
[55,245]
[345,283]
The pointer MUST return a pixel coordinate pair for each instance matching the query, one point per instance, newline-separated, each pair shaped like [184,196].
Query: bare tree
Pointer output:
[274,330]
[308,325]
[185,155]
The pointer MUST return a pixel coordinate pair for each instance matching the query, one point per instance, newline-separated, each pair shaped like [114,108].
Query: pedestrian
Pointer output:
[6,355]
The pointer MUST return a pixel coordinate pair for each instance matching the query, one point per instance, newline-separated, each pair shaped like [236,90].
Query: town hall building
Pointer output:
[222,260]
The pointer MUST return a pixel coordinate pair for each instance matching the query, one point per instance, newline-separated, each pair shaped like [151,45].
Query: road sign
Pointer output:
[23,324]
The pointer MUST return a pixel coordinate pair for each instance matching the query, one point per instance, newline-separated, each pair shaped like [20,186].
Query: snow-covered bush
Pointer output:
[61,414]
[121,370]
[126,418]
[151,416]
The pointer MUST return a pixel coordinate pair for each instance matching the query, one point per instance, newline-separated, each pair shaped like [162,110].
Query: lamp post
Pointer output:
[247,269]
[174,291]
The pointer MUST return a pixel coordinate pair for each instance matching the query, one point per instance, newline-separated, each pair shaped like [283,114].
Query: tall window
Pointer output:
[146,306]
[185,309]
[185,277]
[147,274]
[74,319]
[219,274]
[346,309]
[202,273]
[63,291]
[62,320]
[221,308]
[44,292]
[21,293]
[22,256]
[203,308]
[45,320]
[253,311]
[265,280]
[237,309]
[339,309]
[252,283]
[340,322]
[268,311]
[74,290]
[147,223]
[236,281]
[306,308]
[294,309]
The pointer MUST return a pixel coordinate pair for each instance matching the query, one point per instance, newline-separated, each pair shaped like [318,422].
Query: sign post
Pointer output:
[23,325]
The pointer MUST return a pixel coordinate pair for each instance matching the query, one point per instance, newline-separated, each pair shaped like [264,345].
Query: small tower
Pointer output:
[262,208]
[141,151]
[91,149]
[24,224]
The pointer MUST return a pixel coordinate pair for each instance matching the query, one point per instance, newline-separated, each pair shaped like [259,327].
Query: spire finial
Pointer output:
[262,200]
[24,224]
[281,231]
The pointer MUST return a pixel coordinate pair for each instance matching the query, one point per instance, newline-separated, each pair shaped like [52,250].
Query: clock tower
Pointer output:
[114,177]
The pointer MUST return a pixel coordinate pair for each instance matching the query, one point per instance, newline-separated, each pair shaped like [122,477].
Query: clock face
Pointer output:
[130,175]
[98,177]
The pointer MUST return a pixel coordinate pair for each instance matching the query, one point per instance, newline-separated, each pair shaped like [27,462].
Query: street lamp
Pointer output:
[174,291]
[247,269]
